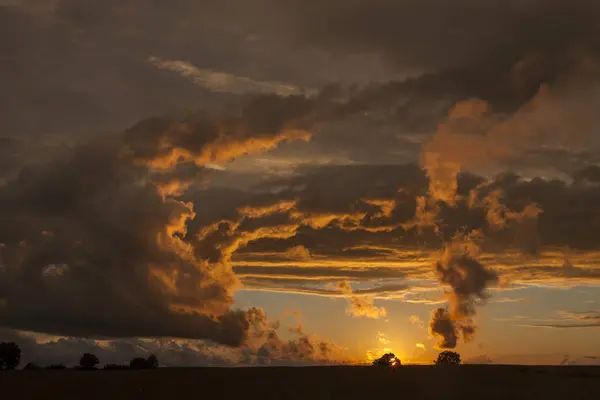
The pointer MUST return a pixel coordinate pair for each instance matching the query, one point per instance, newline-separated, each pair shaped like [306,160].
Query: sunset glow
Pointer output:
[242,183]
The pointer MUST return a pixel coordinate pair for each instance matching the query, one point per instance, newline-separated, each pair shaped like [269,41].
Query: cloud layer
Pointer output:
[422,152]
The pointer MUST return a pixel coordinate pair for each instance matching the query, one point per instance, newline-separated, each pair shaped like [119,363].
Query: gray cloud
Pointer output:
[68,351]
[266,344]
[79,67]
[337,193]
[441,325]
[89,213]
[573,319]
[436,35]
[220,81]
[132,226]
[103,213]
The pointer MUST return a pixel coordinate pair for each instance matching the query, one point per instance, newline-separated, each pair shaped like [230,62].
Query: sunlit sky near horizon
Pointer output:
[290,182]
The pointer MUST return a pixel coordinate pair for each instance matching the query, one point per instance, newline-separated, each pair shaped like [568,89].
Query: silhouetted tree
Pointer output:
[447,358]
[144,363]
[387,360]
[137,363]
[152,361]
[32,366]
[10,355]
[88,361]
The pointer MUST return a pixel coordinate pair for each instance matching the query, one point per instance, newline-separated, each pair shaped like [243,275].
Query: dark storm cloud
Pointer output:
[341,191]
[96,224]
[8,154]
[202,138]
[264,346]
[68,351]
[70,65]
[468,280]
[81,64]
[479,39]
[337,193]
[441,325]
[88,61]
[75,64]
[89,219]
[499,51]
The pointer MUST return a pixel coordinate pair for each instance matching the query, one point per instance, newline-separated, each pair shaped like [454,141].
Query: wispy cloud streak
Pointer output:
[224,82]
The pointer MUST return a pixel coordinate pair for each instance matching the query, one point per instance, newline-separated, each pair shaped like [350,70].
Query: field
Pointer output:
[415,382]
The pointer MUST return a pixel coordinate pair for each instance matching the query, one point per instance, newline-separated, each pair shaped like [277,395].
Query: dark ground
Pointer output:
[480,382]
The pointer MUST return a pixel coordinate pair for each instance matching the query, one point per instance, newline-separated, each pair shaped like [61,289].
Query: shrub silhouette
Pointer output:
[144,363]
[137,363]
[56,367]
[447,358]
[10,355]
[115,367]
[88,361]
[32,366]
[387,360]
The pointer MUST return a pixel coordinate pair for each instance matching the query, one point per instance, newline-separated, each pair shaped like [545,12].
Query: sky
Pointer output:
[283,182]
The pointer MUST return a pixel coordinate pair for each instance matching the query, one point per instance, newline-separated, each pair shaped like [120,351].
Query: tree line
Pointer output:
[444,358]
[10,358]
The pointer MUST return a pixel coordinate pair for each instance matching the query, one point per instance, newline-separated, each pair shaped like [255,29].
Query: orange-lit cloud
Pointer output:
[222,150]
[416,320]
[360,306]
[138,217]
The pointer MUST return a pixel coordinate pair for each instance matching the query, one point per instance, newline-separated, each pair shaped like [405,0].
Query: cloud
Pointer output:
[469,42]
[572,319]
[509,300]
[381,338]
[226,82]
[299,252]
[68,350]
[466,277]
[410,278]
[131,222]
[416,320]
[264,346]
[523,227]
[163,143]
[442,326]
[360,305]
[127,33]
[328,288]
[97,224]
